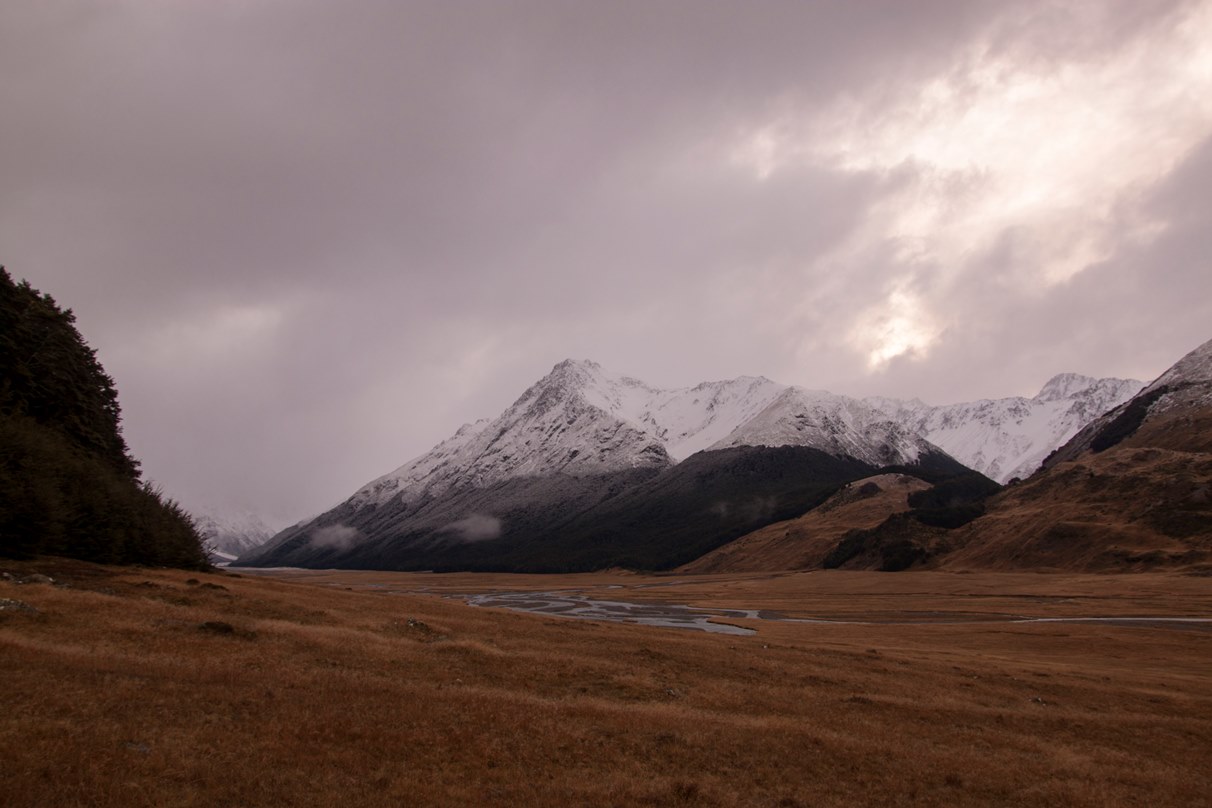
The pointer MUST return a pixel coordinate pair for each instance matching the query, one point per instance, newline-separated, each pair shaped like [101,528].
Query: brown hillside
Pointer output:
[1174,412]
[1126,508]
[1187,429]
[1131,491]
[803,542]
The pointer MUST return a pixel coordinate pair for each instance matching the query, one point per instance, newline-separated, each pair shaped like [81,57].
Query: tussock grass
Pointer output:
[115,695]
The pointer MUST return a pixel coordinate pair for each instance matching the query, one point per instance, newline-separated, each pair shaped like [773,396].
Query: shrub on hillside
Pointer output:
[953,503]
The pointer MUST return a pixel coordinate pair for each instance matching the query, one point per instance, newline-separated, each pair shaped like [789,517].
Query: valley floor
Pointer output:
[134,687]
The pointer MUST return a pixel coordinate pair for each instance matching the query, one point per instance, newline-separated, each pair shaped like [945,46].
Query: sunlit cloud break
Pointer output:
[898,325]
[1003,146]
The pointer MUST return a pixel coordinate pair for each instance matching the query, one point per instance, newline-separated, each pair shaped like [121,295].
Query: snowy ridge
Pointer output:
[835,424]
[446,454]
[1188,382]
[557,426]
[1010,437]
[1194,368]
[580,420]
[685,420]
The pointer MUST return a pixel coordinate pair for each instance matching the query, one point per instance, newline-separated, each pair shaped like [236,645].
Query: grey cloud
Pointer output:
[433,202]
[335,536]
[476,527]
[1130,316]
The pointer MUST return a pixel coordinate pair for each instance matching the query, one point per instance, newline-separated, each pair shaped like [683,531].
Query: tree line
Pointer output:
[68,483]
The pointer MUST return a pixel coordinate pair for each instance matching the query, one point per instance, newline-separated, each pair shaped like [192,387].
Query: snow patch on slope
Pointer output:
[228,534]
[685,420]
[838,425]
[1194,368]
[448,454]
[1010,437]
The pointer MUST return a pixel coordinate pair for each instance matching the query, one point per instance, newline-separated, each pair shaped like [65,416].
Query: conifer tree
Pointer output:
[68,484]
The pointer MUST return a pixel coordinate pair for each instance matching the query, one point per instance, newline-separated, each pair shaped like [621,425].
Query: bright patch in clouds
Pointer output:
[1034,160]
[897,326]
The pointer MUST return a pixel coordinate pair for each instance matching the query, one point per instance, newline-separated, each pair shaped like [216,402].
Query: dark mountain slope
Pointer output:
[805,541]
[642,518]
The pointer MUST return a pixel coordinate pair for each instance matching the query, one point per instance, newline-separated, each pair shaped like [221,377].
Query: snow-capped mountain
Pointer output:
[563,424]
[226,535]
[580,437]
[589,469]
[1010,437]
[580,419]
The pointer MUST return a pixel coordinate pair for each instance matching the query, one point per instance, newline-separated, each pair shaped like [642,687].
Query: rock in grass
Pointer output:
[10,605]
[37,578]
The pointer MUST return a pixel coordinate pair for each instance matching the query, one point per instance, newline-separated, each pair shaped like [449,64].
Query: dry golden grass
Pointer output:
[1128,508]
[115,694]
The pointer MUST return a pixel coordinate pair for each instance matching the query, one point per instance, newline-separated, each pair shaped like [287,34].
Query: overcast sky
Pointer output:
[311,239]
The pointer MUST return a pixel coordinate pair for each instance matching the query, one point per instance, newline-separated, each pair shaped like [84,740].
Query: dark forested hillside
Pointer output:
[68,485]
[647,519]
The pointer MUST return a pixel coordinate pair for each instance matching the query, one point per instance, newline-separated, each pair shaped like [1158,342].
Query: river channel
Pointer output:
[575,605]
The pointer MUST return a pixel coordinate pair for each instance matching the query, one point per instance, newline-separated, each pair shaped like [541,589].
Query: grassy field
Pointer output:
[134,687]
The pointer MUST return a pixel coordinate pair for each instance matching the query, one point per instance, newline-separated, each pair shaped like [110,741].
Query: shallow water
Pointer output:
[567,604]
[572,604]
[575,605]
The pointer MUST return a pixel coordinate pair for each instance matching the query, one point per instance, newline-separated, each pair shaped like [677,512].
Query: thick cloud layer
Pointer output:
[310,239]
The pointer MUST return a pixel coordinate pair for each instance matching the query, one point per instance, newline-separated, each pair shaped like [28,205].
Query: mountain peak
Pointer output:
[1064,385]
[574,365]
[576,377]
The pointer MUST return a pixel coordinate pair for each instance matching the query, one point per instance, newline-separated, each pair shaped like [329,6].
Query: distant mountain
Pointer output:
[1132,490]
[1010,437]
[227,535]
[588,469]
